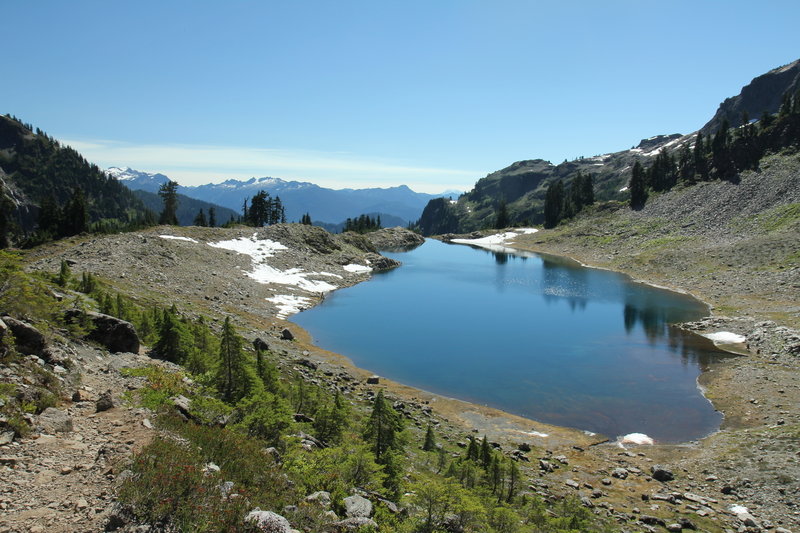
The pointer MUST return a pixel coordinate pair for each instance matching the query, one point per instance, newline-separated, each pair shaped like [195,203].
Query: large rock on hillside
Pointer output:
[115,334]
[392,239]
[28,339]
[764,93]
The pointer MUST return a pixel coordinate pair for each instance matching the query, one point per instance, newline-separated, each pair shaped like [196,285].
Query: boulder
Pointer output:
[260,344]
[373,380]
[105,402]
[115,334]
[268,522]
[620,473]
[321,498]
[53,420]
[287,335]
[27,339]
[355,523]
[662,474]
[357,506]
[379,262]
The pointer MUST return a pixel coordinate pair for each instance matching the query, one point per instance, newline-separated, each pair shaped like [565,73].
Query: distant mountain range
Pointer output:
[332,206]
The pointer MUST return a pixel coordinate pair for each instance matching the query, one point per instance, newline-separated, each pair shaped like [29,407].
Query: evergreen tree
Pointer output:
[430,441]
[306,219]
[232,379]
[383,428]
[553,204]
[473,453]
[200,219]
[76,216]
[637,187]
[502,220]
[50,216]
[485,453]
[64,274]
[174,340]
[169,195]
[212,217]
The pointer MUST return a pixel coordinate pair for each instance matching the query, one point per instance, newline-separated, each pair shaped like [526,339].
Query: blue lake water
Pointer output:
[537,336]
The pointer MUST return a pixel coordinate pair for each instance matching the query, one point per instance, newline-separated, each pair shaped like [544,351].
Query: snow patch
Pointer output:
[725,337]
[258,249]
[635,438]
[357,268]
[261,249]
[176,238]
[264,273]
[535,434]
[499,238]
[625,188]
[289,304]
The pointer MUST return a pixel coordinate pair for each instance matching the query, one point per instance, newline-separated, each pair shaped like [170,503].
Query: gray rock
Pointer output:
[674,528]
[652,520]
[572,483]
[27,339]
[268,522]
[260,344]
[357,506]
[53,420]
[105,402]
[115,334]
[373,380]
[545,466]
[355,523]
[321,498]
[661,474]
[287,335]
[620,473]
[525,447]
[6,437]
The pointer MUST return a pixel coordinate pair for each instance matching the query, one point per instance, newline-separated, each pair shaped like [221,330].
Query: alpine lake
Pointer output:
[534,335]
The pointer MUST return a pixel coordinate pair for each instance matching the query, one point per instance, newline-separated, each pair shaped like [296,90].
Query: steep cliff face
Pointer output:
[763,94]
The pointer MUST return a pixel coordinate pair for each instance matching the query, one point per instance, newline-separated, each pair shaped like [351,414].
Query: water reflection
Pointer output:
[534,335]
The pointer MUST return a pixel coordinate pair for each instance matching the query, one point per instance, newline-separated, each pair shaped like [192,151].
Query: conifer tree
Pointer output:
[472,450]
[76,216]
[383,428]
[169,195]
[553,204]
[212,217]
[64,274]
[637,187]
[430,441]
[200,219]
[502,220]
[232,378]
[485,453]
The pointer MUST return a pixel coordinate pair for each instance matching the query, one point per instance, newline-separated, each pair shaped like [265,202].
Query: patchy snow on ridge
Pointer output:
[261,249]
[725,337]
[264,273]
[289,304]
[176,238]
[357,268]
[258,249]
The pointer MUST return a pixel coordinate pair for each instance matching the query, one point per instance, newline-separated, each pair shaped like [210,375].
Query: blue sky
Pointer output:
[433,94]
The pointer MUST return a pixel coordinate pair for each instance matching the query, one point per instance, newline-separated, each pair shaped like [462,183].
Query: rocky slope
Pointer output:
[65,480]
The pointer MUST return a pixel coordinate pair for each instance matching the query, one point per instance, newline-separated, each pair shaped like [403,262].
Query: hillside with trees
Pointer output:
[50,191]
[656,164]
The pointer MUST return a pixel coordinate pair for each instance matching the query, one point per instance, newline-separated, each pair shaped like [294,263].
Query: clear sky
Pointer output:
[434,94]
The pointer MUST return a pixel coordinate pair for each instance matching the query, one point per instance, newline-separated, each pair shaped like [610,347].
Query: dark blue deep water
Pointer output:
[537,336]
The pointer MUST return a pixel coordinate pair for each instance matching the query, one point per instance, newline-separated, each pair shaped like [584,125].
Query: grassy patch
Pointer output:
[162,385]
[779,217]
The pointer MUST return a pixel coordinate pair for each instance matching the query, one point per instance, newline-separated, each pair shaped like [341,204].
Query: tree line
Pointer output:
[719,156]
[563,202]
[363,224]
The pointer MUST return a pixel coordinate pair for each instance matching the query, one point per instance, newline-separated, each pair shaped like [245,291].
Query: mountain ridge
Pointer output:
[326,205]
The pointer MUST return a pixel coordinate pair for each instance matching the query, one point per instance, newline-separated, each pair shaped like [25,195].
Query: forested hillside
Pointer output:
[655,165]
[48,190]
